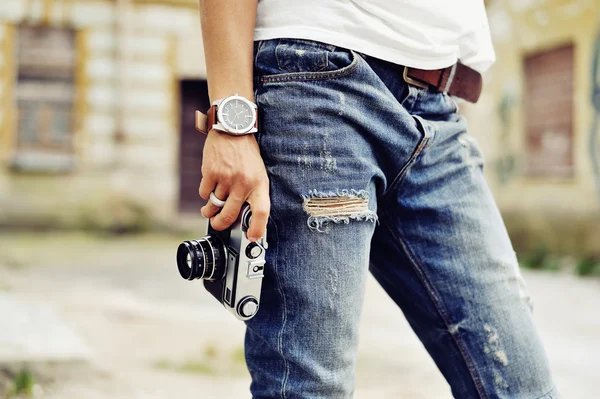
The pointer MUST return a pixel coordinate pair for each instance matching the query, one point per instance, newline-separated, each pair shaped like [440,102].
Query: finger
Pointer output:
[260,205]
[207,185]
[229,212]
[209,210]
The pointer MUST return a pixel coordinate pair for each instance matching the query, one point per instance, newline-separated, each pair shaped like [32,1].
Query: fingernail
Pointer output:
[252,239]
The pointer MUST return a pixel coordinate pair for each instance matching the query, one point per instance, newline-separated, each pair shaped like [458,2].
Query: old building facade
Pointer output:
[537,120]
[91,94]
[97,100]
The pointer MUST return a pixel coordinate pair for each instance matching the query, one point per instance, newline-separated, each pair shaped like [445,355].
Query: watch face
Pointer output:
[237,115]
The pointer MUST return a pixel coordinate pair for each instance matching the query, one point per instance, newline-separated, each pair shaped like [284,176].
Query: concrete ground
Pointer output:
[151,334]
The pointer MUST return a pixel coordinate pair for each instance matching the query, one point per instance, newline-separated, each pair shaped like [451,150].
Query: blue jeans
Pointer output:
[368,173]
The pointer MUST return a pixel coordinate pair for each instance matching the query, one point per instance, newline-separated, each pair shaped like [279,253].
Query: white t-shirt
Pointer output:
[425,34]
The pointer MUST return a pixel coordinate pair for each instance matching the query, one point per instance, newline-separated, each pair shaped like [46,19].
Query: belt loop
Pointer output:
[450,78]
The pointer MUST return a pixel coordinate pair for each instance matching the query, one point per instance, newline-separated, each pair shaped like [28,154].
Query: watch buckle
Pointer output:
[201,122]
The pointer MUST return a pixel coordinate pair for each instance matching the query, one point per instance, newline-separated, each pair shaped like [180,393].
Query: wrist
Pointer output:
[224,92]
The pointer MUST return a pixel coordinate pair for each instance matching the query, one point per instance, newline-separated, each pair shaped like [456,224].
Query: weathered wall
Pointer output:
[520,28]
[161,43]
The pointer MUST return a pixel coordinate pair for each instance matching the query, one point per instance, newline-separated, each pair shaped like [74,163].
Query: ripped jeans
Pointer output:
[368,173]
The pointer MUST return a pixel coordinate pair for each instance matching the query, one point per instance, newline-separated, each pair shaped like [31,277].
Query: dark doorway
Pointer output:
[194,96]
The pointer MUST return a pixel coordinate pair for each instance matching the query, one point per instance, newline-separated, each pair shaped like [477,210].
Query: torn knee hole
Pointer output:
[337,207]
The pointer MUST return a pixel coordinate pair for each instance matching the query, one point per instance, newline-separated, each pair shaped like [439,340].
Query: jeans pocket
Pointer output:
[295,55]
[303,60]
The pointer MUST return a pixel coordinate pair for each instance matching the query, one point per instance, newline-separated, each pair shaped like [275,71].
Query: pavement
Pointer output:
[111,318]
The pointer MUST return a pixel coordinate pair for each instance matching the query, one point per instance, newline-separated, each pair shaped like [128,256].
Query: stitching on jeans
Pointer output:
[442,312]
[403,172]
[552,394]
[286,371]
[259,134]
[258,48]
[308,76]
[423,144]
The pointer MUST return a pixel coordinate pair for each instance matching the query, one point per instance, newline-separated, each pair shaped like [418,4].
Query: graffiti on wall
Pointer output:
[594,139]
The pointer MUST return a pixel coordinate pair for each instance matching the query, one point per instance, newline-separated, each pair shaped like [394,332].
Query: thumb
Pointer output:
[260,205]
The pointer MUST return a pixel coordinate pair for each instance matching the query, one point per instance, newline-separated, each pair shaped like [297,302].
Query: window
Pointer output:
[549,112]
[45,94]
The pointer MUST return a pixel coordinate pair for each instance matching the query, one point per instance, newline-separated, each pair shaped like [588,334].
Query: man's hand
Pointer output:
[233,168]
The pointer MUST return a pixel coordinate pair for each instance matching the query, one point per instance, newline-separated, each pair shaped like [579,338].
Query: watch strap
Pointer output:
[205,122]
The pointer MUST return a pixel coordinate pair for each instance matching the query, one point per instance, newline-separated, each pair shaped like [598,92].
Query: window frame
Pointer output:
[548,174]
[9,147]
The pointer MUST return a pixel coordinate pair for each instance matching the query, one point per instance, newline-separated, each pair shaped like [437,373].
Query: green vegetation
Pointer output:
[556,241]
[195,367]
[238,356]
[210,362]
[21,385]
[540,259]
[588,266]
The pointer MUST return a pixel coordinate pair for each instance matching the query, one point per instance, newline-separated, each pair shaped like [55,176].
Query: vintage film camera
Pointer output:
[231,266]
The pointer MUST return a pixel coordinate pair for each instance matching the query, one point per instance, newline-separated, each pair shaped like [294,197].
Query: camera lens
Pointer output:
[202,259]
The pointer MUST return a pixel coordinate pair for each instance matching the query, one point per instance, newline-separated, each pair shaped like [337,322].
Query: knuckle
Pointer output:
[208,170]
[201,192]
[243,179]
[226,178]
[227,219]
[260,213]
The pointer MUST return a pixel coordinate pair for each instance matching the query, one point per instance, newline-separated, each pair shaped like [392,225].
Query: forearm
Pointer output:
[228,35]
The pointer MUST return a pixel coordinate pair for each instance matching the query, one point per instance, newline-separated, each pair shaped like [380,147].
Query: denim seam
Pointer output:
[552,394]
[258,48]
[310,76]
[286,371]
[440,308]
[258,135]
[404,171]
[255,78]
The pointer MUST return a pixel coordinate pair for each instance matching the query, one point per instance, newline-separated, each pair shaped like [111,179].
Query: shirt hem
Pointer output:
[395,56]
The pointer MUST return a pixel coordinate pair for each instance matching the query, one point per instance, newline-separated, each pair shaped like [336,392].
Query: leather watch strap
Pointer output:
[458,80]
[205,122]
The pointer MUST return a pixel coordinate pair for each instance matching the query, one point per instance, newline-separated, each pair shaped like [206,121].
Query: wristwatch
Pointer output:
[235,115]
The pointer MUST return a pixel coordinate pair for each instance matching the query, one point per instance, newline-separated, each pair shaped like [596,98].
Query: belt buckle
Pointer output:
[413,82]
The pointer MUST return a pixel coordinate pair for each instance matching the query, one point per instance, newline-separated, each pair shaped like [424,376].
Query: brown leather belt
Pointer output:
[457,80]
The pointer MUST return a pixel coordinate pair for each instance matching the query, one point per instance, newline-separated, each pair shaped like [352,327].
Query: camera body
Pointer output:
[231,266]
